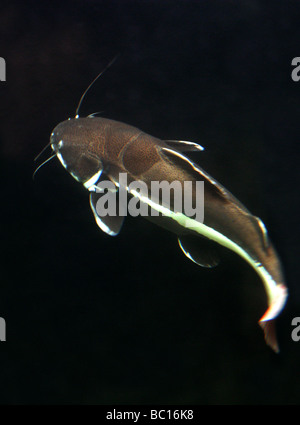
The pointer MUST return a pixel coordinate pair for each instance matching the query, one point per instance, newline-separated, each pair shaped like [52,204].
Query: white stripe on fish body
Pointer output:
[276,293]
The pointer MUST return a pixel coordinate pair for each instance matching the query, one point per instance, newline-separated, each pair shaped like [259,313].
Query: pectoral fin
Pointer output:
[104,197]
[199,250]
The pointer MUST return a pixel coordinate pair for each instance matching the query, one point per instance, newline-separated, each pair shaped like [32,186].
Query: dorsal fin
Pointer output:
[184,145]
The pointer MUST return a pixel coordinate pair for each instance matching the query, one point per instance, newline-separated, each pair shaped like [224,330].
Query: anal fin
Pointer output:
[199,250]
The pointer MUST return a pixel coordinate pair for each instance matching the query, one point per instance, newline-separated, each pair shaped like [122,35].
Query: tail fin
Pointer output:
[269,329]
[277,300]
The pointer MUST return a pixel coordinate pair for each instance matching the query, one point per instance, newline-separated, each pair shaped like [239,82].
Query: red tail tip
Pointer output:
[269,329]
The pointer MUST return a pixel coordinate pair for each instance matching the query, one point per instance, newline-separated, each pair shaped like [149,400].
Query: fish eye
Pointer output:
[56,145]
[52,141]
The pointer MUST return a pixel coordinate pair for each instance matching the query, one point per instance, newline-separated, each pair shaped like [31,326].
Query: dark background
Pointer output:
[96,319]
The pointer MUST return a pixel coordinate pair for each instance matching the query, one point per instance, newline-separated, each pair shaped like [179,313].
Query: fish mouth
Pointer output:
[56,147]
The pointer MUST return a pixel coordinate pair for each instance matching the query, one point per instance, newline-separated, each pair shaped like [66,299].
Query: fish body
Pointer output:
[93,149]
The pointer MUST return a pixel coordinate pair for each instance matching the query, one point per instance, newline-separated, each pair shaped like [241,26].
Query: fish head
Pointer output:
[71,141]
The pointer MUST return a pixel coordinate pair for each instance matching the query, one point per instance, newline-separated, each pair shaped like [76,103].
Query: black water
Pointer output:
[101,320]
